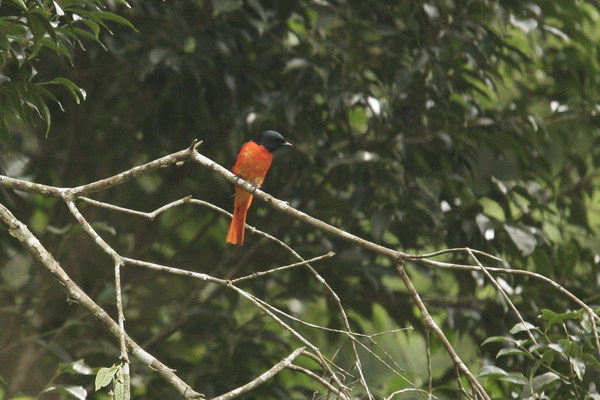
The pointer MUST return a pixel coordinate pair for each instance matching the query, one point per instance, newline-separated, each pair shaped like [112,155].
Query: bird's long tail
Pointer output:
[242,202]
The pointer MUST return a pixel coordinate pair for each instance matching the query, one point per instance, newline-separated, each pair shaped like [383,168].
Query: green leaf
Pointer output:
[548,350]
[119,387]
[78,367]
[522,326]
[554,318]
[586,324]
[590,360]
[58,46]
[491,371]
[545,360]
[511,352]
[19,3]
[78,33]
[105,376]
[516,378]
[109,16]
[94,27]
[4,43]
[496,339]
[77,92]
[100,16]
[123,2]
[46,93]
[578,366]
[36,102]
[36,27]
[544,382]
[39,22]
[18,52]
[525,241]
[77,392]
[58,9]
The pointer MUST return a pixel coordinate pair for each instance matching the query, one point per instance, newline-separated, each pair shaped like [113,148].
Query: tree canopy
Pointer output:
[418,126]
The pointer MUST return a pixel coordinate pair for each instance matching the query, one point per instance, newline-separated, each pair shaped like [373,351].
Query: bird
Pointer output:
[252,163]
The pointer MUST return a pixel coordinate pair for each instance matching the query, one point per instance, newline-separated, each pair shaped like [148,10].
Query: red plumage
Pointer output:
[252,163]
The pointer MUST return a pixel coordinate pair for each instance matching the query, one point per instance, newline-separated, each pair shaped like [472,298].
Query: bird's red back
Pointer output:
[253,162]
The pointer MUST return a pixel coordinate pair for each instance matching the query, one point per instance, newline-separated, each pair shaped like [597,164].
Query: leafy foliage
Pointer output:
[28,28]
[418,125]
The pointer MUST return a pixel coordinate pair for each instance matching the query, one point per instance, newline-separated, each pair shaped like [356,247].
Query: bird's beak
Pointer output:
[287,144]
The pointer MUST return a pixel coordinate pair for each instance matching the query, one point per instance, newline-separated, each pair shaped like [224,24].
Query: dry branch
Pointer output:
[70,195]
[75,294]
[285,363]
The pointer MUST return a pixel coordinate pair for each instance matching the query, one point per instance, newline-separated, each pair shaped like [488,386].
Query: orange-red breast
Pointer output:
[252,163]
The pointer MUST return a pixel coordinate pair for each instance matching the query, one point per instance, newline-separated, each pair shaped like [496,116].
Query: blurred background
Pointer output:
[419,125]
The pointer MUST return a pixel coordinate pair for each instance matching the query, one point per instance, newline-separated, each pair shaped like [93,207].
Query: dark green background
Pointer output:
[418,125]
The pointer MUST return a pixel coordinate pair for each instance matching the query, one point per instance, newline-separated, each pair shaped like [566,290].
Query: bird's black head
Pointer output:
[271,140]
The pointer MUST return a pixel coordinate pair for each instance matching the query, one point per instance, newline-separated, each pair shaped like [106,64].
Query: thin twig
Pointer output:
[429,371]
[511,271]
[149,215]
[257,302]
[53,191]
[270,237]
[118,263]
[503,293]
[453,250]
[20,231]
[163,162]
[285,363]
[430,323]
[316,378]
[286,208]
[408,390]
[282,268]
[70,194]
[353,336]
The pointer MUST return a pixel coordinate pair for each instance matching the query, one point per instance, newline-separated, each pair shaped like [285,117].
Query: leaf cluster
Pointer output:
[30,27]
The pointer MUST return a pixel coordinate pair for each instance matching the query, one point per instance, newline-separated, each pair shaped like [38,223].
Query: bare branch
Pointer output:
[502,292]
[285,363]
[176,271]
[26,186]
[317,378]
[20,231]
[398,256]
[286,208]
[125,176]
[430,323]
[522,272]
[273,270]
[454,250]
[254,300]
[52,191]
[69,195]
[118,263]
[151,215]
[270,237]
[428,394]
